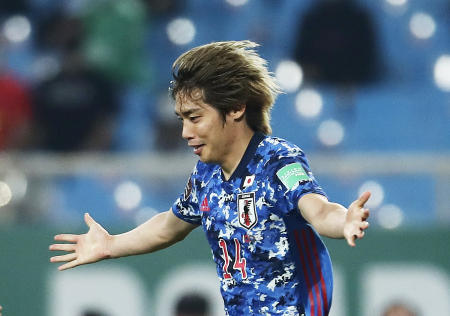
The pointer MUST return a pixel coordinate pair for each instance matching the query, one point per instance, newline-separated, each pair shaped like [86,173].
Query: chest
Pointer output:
[241,207]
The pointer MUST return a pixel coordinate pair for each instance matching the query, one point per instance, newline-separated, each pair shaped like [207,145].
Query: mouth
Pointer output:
[198,149]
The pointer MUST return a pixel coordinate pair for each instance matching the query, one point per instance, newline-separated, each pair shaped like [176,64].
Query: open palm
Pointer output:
[85,248]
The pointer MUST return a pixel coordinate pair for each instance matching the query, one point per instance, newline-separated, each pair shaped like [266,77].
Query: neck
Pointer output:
[236,152]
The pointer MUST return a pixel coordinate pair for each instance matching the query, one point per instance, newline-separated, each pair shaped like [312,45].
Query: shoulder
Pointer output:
[273,149]
[285,160]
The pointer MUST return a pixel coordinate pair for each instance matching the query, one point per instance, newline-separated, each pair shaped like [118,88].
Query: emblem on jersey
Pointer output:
[292,174]
[248,181]
[247,209]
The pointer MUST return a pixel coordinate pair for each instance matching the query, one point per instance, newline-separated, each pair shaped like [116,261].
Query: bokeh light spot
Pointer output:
[309,103]
[128,195]
[289,75]
[442,73]
[390,216]
[17,29]
[397,2]
[181,31]
[422,25]
[330,133]
[237,3]
[5,194]
[377,193]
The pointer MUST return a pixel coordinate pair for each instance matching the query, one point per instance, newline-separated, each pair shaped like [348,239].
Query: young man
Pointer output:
[254,195]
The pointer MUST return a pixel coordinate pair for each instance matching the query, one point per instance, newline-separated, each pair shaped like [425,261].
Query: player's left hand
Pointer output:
[356,220]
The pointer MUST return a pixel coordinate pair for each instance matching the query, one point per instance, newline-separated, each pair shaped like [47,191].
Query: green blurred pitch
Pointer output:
[25,267]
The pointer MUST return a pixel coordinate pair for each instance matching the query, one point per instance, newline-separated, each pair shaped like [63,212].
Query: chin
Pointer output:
[208,160]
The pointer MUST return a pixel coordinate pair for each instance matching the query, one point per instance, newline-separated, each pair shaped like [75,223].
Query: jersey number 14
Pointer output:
[239,264]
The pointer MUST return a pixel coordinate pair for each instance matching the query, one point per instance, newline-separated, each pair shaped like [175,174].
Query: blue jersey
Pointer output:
[270,260]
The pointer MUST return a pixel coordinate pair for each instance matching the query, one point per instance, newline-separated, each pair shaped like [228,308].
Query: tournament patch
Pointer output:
[247,210]
[292,174]
[187,190]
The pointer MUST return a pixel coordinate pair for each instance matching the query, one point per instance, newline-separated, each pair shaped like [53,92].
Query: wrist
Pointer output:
[109,252]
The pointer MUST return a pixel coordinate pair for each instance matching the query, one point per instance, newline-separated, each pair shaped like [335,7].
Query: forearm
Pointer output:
[153,235]
[330,220]
[333,220]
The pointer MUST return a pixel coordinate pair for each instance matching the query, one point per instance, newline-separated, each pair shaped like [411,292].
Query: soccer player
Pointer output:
[254,195]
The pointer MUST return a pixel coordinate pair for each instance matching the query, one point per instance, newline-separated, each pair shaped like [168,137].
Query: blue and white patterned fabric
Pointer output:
[270,261]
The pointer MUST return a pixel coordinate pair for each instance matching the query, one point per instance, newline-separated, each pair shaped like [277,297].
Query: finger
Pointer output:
[62,247]
[88,219]
[366,214]
[68,265]
[351,241]
[363,199]
[364,225]
[64,258]
[67,237]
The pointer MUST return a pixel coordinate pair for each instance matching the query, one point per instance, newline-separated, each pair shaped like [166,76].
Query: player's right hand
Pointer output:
[83,249]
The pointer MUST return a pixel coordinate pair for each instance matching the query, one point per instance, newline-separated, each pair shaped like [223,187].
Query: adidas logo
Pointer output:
[204,207]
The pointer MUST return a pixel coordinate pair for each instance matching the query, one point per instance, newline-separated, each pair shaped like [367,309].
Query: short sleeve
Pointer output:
[186,207]
[295,179]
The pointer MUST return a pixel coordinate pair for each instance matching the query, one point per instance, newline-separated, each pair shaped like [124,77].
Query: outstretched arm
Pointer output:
[97,244]
[333,220]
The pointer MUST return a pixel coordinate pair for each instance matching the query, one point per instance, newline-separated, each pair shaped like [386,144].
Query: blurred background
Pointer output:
[86,124]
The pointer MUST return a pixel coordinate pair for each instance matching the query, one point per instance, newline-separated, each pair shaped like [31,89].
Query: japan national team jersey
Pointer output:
[269,260]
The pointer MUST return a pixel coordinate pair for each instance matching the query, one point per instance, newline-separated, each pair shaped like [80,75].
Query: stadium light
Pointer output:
[181,31]
[309,103]
[377,193]
[289,75]
[397,3]
[17,183]
[5,194]
[17,29]
[442,73]
[237,3]
[422,25]
[390,216]
[128,195]
[330,133]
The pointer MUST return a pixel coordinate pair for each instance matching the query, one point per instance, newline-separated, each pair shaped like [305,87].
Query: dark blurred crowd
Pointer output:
[91,52]
[86,57]
[67,108]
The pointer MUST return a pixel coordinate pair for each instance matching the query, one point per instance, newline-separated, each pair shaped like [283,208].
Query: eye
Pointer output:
[194,118]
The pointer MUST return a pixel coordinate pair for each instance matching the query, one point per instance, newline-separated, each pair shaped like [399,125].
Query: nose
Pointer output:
[187,131]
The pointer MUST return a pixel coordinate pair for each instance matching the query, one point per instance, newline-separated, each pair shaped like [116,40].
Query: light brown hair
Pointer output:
[229,75]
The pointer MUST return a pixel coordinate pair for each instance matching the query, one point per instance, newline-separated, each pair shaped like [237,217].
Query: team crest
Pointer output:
[247,209]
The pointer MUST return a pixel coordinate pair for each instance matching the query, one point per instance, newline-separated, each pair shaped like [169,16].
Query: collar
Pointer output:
[241,169]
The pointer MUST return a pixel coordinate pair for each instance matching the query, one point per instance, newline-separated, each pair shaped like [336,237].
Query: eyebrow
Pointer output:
[186,112]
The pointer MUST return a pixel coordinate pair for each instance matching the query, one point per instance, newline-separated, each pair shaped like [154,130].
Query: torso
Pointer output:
[267,255]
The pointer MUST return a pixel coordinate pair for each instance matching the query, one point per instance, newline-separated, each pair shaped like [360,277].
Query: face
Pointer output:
[204,129]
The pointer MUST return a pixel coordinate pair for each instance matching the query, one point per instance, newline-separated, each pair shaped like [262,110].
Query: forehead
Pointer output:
[189,102]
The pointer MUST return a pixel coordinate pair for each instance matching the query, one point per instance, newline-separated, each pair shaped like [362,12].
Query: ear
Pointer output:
[238,113]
